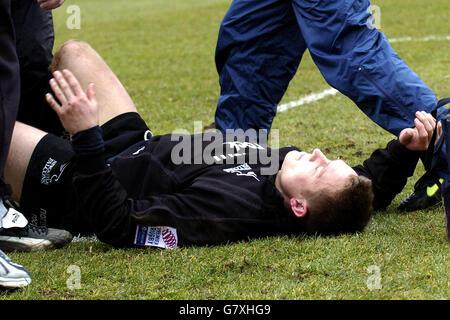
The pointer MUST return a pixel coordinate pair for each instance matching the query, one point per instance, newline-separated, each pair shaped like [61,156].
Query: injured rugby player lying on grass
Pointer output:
[118,181]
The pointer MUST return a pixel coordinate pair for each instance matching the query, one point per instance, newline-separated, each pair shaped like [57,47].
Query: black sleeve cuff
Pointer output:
[401,152]
[91,164]
[88,142]
[89,147]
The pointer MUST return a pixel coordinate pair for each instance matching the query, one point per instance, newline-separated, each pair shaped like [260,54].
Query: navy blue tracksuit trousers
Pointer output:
[446,185]
[261,43]
[9,86]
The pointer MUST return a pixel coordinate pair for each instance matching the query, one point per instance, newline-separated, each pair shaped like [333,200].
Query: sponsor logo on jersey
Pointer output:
[159,236]
[169,238]
[239,171]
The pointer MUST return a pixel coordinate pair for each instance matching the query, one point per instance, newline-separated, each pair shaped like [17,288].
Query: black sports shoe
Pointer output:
[33,238]
[427,193]
[27,236]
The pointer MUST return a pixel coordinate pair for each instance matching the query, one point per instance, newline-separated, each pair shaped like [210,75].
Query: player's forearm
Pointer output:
[103,201]
[105,206]
[389,169]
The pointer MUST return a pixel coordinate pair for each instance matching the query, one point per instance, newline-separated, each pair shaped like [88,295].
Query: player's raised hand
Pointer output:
[76,109]
[419,137]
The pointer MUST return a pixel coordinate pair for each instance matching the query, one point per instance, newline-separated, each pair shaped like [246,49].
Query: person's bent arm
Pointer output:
[106,205]
[104,202]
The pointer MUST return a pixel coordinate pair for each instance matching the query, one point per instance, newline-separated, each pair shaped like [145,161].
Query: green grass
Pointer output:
[163,51]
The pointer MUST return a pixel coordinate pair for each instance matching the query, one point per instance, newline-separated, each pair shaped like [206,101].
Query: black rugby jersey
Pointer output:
[181,190]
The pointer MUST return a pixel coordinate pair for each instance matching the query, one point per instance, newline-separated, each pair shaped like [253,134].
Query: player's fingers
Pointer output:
[91,92]
[64,85]
[427,120]
[73,83]
[431,120]
[52,102]
[58,92]
[422,132]
[406,136]
[438,132]
[50,4]
[46,5]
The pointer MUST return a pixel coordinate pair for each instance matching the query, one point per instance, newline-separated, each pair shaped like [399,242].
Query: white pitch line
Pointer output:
[327,92]
[306,99]
[424,39]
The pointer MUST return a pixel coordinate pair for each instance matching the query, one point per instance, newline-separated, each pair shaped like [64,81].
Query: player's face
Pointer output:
[307,173]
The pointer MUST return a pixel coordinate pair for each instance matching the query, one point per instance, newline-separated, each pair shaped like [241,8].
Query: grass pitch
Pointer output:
[163,51]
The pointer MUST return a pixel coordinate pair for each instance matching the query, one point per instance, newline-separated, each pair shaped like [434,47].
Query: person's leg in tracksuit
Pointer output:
[9,88]
[258,52]
[260,44]
[446,184]
[35,38]
[358,60]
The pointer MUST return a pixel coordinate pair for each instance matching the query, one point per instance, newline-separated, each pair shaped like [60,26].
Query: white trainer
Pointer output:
[12,275]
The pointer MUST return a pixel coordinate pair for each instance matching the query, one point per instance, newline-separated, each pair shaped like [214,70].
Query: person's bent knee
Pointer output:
[70,48]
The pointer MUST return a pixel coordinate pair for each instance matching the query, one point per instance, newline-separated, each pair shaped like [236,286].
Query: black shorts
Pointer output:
[48,196]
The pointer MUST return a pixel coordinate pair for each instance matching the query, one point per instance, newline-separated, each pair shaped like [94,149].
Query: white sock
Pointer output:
[3,212]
